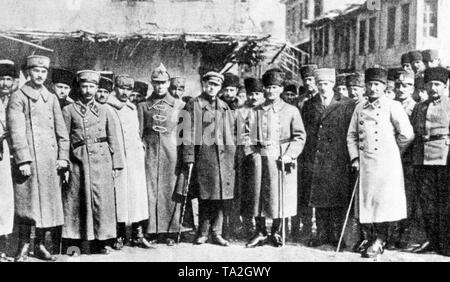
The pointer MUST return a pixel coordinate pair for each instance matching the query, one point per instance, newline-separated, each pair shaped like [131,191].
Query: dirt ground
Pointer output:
[186,252]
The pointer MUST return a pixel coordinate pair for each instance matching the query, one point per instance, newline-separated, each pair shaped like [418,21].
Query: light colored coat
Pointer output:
[89,202]
[379,132]
[39,137]
[6,184]
[280,132]
[130,183]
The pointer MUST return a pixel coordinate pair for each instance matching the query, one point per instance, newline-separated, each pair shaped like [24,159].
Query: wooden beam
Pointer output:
[26,43]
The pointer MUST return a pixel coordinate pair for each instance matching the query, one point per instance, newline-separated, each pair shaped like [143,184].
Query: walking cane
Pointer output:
[183,209]
[281,197]
[348,215]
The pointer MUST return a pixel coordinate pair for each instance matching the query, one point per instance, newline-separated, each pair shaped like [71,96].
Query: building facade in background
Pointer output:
[364,35]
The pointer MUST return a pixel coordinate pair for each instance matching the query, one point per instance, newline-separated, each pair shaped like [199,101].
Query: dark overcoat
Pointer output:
[325,158]
[39,137]
[89,202]
[211,147]
[159,119]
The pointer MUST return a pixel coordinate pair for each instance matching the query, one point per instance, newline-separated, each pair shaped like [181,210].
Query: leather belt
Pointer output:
[269,143]
[435,137]
[96,140]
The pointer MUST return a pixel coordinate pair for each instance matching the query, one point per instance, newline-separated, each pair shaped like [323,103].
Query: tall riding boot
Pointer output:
[404,234]
[260,237]
[41,251]
[121,237]
[138,237]
[275,235]
[23,248]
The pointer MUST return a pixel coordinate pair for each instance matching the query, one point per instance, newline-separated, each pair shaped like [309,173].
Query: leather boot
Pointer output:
[275,236]
[40,250]
[260,237]
[139,240]
[23,248]
[375,249]
[119,243]
[365,238]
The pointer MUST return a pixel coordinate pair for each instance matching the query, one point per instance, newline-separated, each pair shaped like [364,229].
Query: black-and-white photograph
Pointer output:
[224,131]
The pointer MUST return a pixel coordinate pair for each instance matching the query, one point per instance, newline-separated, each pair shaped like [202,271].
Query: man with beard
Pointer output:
[139,93]
[159,119]
[431,124]
[130,183]
[341,85]
[379,133]
[89,201]
[404,89]
[209,151]
[8,72]
[62,81]
[326,177]
[356,87]
[105,87]
[280,139]
[309,84]
[230,90]
[40,146]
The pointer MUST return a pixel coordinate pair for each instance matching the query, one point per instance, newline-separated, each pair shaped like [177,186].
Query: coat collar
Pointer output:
[317,102]
[277,105]
[35,93]
[155,99]
[83,109]
[116,103]
[377,104]
[206,104]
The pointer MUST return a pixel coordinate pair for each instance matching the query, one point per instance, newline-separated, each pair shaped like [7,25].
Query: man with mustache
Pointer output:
[8,72]
[89,201]
[309,84]
[105,87]
[130,183]
[280,136]
[341,85]
[40,146]
[62,83]
[356,87]
[431,124]
[379,133]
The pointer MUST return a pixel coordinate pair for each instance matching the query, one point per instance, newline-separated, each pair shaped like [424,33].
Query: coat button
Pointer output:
[361,123]
[361,148]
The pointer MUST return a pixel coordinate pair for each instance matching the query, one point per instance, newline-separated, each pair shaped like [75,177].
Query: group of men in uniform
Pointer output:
[95,154]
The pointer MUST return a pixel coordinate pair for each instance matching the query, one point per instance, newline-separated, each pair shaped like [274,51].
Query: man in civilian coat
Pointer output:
[379,133]
[431,122]
[89,202]
[280,140]
[326,161]
[211,153]
[40,146]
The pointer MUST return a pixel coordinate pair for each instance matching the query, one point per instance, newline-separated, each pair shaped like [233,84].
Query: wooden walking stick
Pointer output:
[183,208]
[348,215]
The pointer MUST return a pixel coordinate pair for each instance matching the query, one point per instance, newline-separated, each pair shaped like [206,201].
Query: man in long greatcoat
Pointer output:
[89,202]
[130,183]
[209,150]
[379,132]
[280,140]
[326,161]
[8,72]
[40,147]
[159,119]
